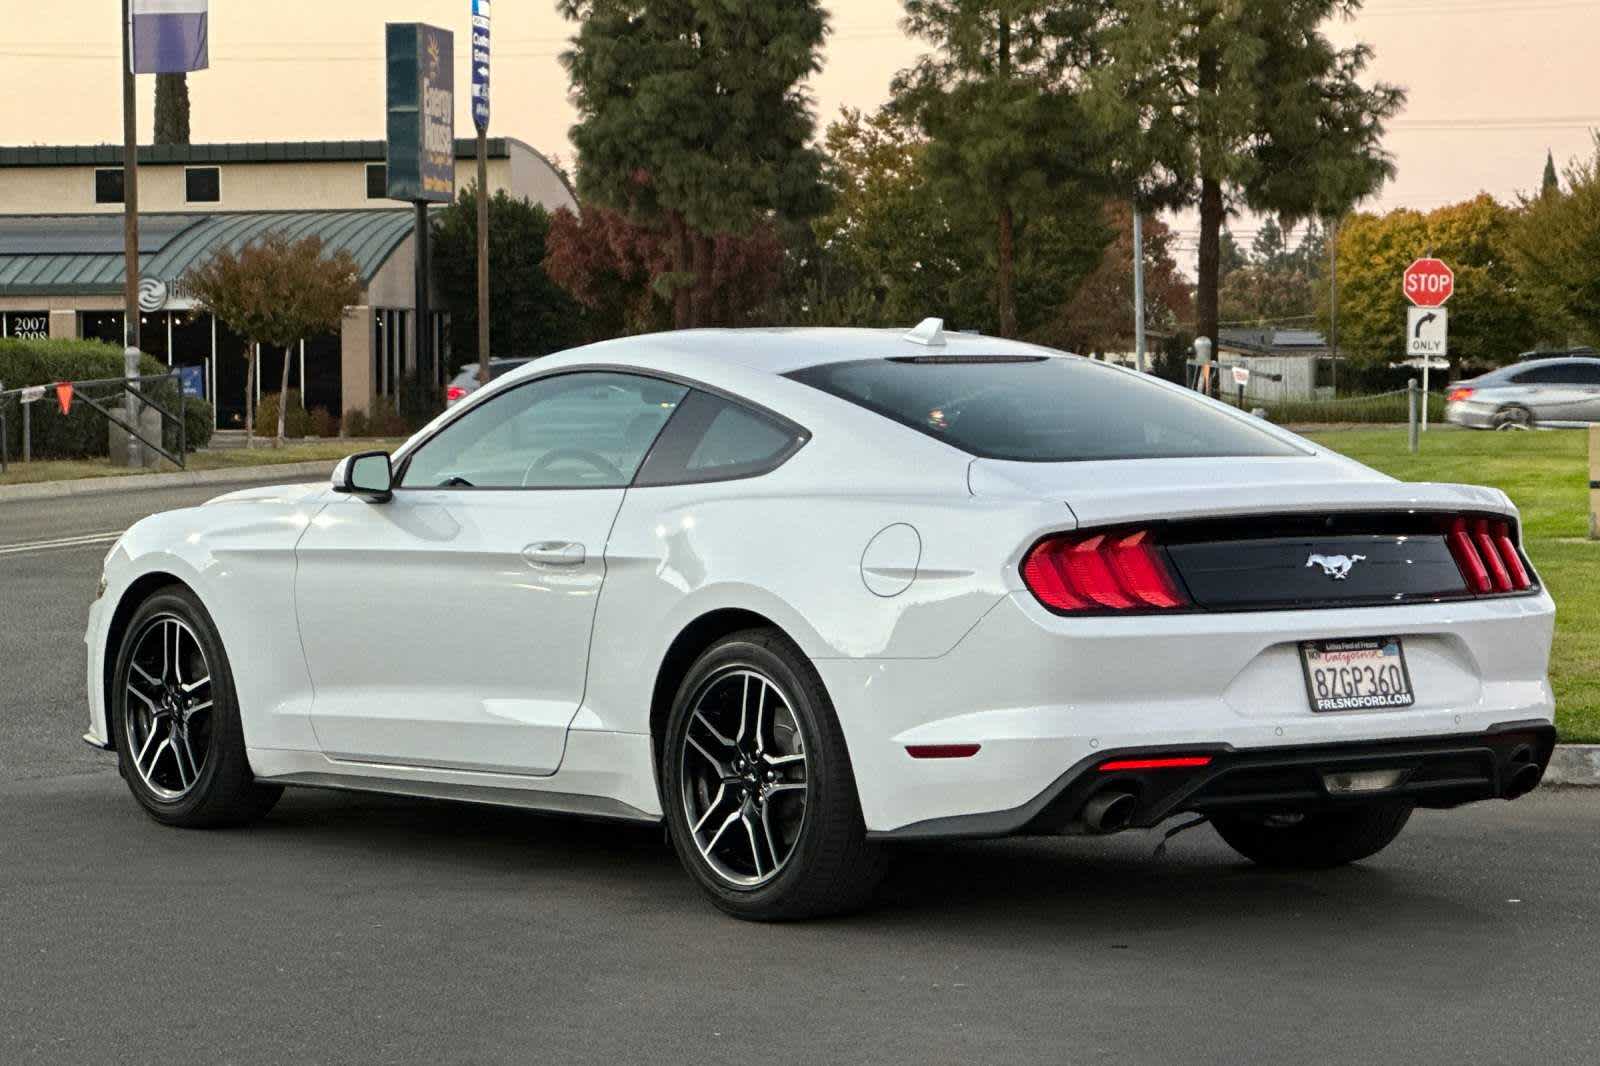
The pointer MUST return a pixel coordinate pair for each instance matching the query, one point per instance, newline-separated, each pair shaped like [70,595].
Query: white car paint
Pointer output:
[416,647]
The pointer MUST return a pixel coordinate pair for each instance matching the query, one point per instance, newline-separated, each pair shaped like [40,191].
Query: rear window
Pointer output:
[1041,410]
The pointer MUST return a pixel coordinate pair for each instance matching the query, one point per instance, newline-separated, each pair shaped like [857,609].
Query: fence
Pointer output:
[1382,407]
[19,404]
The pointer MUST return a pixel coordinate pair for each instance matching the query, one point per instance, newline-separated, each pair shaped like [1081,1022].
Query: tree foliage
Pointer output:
[1099,316]
[1555,247]
[274,291]
[693,121]
[1007,140]
[529,313]
[1277,284]
[1223,105]
[1491,318]
[615,269]
[172,109]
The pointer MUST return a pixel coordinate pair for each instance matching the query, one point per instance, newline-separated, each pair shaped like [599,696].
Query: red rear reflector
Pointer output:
[454,392]
[1123,571]
[1177,762]
[1466,554]
[941,751]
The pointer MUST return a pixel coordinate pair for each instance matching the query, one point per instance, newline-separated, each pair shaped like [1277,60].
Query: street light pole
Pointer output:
[130,231]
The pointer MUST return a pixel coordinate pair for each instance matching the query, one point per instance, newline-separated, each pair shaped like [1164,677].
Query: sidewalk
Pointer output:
[319,469]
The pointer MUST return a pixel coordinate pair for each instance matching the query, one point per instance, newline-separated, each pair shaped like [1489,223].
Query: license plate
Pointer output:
[1356,675]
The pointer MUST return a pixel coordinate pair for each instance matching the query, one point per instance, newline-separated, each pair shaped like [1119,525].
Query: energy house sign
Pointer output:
[421,113]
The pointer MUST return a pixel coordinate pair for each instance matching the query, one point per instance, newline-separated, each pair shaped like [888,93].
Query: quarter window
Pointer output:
[571,431]
[717,439]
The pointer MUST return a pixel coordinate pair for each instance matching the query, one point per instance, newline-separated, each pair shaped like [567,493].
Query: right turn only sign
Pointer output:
[1427,331]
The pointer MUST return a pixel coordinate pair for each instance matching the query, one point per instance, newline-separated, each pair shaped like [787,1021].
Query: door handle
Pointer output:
[555,553]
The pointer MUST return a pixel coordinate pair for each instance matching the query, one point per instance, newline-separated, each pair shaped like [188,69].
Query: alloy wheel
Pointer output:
[745,776]
[167,715]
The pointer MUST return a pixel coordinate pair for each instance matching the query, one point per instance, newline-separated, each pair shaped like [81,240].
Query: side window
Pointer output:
[1584,372]
[716,439]
[570,431]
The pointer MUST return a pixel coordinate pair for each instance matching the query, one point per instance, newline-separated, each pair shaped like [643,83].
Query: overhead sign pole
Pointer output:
[480,118]
[421,150]
[158,37]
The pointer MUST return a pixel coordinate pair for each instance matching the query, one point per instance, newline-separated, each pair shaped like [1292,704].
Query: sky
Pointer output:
[1493,83]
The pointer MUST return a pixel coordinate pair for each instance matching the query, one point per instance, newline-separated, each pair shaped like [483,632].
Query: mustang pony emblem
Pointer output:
[1337,567]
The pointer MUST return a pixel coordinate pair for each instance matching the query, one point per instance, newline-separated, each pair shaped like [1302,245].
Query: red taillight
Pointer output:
[1487,556]
[1459,395]
[1176,762]
[941,751]
[454,393]
[1101,572]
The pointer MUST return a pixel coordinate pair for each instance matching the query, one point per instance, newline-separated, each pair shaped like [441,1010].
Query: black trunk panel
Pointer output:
[1330,569]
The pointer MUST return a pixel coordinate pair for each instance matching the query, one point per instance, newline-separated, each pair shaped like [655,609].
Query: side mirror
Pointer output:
[367,474]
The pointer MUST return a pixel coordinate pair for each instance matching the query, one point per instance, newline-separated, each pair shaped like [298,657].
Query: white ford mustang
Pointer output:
[800,594]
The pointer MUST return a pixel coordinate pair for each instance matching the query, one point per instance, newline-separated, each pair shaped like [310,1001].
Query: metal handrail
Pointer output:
[180,460]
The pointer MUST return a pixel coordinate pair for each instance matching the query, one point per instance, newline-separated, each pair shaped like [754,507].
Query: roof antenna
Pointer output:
[929,332]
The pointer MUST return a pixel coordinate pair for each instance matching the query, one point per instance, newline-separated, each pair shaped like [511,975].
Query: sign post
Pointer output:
[481,53]
[421,106]
[1428,283]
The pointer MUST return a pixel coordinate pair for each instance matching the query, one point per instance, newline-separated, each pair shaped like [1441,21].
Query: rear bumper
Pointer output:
[1505,762]
[1471,415]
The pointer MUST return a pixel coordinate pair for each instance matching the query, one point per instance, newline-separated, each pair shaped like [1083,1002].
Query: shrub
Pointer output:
[198,419]
[82,433]
[297,424]
[323,424]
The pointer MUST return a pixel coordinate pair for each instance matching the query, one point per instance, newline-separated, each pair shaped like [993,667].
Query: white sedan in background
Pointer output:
[802,594]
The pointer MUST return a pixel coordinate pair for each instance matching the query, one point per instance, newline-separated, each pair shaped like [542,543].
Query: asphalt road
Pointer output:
[349,929]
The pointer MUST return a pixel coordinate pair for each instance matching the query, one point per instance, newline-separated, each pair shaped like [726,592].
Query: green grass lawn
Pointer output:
[263,454]
[1547,475]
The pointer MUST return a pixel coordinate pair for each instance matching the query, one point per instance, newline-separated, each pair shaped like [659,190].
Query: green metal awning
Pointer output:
[81,255]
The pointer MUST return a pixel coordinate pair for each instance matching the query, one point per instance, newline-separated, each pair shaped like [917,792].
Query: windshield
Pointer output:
[1042,410]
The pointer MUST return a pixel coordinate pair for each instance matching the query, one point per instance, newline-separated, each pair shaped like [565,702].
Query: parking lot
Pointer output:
[350,928]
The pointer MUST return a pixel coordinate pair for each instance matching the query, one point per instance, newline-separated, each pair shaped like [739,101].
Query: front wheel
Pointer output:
[760,799]
[175,718]
[1314,841]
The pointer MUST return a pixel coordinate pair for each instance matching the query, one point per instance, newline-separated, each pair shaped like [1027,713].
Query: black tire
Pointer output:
[832,868]
[224,792]
[1315,841]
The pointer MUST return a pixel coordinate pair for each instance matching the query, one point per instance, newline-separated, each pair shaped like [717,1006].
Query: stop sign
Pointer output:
[1429,283]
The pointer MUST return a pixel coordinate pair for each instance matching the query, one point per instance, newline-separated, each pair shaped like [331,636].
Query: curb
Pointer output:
[100,486]
[1574,766]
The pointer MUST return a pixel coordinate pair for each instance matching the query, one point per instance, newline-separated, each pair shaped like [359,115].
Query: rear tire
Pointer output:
[1316,841]
[180,746]
[750,723]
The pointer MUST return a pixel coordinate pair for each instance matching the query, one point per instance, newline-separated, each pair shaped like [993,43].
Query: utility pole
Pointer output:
[483,256]
[130,232]
[1138,285]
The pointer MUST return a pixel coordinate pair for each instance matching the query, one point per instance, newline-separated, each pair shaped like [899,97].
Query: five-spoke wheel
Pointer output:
[175,717]
[744,776]
[168,714]
[760,799]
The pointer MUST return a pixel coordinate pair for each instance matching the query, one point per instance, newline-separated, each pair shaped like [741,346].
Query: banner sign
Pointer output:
[480,63]
[170,36]
[421,113]
[194,380]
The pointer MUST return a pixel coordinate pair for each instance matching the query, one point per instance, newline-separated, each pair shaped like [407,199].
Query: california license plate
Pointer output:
[1356,675]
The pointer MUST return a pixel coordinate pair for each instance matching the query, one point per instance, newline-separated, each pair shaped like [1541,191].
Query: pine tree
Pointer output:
[172,109]
[693,119]
[1551,185]
[1236,105]
[1006,134]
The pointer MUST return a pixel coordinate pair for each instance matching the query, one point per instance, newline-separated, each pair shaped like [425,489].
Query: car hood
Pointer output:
[1105,493]
[291,494]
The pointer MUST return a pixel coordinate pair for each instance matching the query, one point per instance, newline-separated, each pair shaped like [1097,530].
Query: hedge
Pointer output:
[82,433]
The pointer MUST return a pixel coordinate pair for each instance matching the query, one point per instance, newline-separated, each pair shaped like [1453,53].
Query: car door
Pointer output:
[449,626]
[1586,373]
[1555,395]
